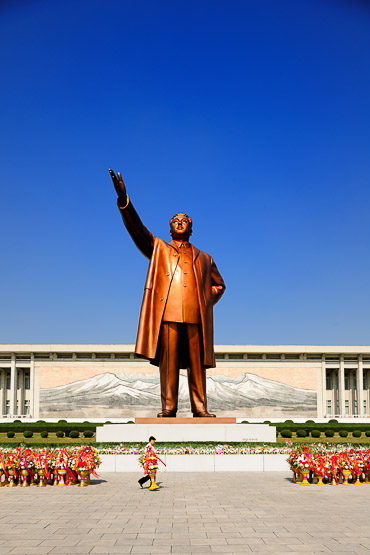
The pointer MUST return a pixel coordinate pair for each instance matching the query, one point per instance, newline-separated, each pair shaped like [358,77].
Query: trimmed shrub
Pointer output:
[357,433]
[267,422]
[343,433]
[108,422]
[44,433]
[88,433]
[333,421]
[74,434]
[10,434]
[27,434]
[329,433]
[17,421]
[301,433]
[62,421]
[51,427]
[310,422]
[59,433]
[288,422]
[315,433]
[367,433]
[286,433]
[85,422]
[40,422]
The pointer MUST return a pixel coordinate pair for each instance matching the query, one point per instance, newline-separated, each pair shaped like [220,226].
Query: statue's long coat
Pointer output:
[163,261]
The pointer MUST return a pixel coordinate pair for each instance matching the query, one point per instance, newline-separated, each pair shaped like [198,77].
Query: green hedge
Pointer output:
[51,427]
[315,433]
[333,425]
[80,427]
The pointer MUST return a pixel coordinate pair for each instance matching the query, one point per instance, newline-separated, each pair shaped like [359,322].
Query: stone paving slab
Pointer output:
[225,513]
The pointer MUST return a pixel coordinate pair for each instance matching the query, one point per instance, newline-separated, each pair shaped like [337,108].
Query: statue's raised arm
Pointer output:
[141,236]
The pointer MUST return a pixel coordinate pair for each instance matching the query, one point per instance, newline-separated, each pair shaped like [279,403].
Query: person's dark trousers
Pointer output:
[143,480]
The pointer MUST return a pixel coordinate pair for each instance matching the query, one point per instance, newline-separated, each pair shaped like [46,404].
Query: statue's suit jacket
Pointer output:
[164,258]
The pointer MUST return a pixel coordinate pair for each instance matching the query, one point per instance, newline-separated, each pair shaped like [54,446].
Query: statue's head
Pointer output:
[181,227]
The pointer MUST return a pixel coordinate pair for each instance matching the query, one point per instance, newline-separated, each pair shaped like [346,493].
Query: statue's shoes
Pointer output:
[166,414]
[203,415]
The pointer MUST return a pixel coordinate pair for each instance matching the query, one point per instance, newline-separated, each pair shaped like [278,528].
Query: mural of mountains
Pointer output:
[121,391]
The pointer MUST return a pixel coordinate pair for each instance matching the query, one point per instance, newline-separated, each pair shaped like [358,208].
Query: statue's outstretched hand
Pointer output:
[119,186]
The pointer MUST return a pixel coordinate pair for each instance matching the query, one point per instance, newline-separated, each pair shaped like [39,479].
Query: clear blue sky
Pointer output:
[251,116]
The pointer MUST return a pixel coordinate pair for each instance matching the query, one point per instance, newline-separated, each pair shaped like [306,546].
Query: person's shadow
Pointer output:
[97,482]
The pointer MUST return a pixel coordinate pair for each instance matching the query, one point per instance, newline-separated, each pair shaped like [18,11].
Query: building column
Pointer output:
[21,392]
[2,392]
[360,387]
[13,386]
[341,387]
[32,384]
[322,412]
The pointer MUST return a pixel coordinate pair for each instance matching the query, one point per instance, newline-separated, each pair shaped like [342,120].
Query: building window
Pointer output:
[328,407]
[354,381]
[346,407]
[364,381]
[346,381]
[337,382]
[26,380]
[26,410]
[355,411]
[18,380]
[337,405]
[7,407]
[328,381]
[364,406]
[8,380]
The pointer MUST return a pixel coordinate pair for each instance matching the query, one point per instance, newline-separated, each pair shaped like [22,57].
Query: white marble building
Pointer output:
[250,381]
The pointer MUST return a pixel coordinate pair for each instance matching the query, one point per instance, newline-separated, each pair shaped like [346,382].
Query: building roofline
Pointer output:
[129,348]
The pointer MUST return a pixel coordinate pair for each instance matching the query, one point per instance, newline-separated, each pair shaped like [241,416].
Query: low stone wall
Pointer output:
[212,431]
[199,463]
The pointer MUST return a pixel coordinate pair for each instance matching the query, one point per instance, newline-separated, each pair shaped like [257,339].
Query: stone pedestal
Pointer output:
[186,432]
[192,421]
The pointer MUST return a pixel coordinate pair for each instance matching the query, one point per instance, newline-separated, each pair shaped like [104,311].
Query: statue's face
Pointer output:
[180,227]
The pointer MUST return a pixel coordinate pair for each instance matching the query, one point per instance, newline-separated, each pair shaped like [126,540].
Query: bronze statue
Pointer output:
[176,320]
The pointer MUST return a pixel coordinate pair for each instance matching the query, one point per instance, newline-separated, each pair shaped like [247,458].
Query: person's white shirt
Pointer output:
[149,447]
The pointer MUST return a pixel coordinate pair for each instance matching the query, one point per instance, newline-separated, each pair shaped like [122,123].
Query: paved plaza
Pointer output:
[192,513]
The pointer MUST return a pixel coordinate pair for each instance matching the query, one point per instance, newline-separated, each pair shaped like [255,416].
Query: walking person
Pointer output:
[150,457]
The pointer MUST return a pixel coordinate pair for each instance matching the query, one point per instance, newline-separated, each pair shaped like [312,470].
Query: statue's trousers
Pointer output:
[181,342]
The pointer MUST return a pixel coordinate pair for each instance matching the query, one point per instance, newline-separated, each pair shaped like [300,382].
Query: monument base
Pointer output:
[184,432]
[192,421]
